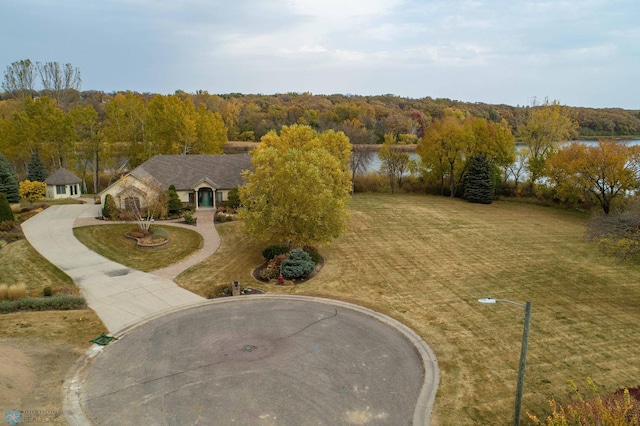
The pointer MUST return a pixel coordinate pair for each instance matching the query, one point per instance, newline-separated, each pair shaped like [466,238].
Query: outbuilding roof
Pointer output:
[62,177]
[185,172]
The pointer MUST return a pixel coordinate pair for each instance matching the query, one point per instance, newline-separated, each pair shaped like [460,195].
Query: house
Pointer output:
[63,184]
[202,181]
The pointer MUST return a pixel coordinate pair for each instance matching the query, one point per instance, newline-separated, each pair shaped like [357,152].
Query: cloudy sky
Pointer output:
[580,52]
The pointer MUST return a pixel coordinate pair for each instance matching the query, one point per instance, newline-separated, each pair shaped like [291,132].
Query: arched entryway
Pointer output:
[205,197]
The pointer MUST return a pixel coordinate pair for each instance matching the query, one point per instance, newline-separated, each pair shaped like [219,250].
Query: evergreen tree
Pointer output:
[36,172]
[8,181]
[175,205]
[5,209]
[478,184]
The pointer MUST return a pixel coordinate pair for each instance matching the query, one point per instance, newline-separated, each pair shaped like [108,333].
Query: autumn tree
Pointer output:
[452,141]
[32,191]
[8,181]
[87,148]
[298,192]
[599,173]
[125,128]
[36,170]
[393,162]
[545,128]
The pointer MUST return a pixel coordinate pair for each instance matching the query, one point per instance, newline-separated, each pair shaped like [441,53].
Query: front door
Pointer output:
[205,197]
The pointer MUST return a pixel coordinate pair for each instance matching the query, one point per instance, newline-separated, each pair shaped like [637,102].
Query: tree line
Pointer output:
[44,111]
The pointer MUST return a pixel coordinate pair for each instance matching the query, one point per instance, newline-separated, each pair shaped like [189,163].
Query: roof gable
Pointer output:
[62,177]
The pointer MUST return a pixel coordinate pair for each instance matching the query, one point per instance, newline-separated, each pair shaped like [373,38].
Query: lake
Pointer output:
[374,166]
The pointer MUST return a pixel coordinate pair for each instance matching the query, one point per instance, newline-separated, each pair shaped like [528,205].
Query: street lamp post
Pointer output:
[523,352]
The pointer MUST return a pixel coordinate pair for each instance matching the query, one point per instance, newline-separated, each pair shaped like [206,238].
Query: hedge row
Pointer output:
[54,303]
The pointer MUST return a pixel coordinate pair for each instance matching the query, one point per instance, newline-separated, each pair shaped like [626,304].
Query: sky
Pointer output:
[579,52]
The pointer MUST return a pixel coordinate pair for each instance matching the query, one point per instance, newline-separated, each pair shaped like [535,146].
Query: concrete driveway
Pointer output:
[121,296]
[258,360]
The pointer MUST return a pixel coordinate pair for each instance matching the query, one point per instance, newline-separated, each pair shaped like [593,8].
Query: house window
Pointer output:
[61,189]
[73,189]
[132,203]
[219,196]
[192,198]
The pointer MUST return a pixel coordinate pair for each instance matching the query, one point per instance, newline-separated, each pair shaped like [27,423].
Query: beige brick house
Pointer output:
[202,181]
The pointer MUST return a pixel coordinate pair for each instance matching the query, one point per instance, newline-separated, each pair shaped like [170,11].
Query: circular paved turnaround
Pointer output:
[257,360]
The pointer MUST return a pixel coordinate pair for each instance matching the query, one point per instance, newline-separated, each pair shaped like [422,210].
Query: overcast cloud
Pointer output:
[581,52]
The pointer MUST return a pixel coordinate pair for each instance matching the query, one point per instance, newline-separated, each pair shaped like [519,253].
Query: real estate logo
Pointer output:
[14,417]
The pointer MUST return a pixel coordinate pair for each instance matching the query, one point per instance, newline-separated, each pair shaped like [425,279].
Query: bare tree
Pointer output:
[19,79]
[144,202]
[59,81]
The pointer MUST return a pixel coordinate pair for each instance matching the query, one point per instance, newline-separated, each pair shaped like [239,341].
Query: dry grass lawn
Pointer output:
[37,349]
[110,242]
[21,263]
[426,260]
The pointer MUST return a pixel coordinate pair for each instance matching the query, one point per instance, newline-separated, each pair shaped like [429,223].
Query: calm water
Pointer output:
[374,166]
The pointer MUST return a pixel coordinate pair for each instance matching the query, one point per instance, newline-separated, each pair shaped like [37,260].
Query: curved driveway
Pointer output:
[121,296]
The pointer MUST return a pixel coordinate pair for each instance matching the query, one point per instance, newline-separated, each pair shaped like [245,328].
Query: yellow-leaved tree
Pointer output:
[32,191]
[298,191]
[599,173]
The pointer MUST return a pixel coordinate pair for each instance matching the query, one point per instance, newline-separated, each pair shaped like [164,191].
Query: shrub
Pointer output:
[32,191]
[59,302]
[7,226]
[315,256]
[188,218]
[617,409]
[159,232]
[233,199]
[221,290]
[175,205]
[222,217]
[272,251]
[6,214]
[269,273]
[17,291]
[4,292]
[298,265]
[370,182]
[110,211]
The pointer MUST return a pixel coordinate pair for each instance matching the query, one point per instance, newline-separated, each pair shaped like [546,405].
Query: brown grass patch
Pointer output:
[426,260]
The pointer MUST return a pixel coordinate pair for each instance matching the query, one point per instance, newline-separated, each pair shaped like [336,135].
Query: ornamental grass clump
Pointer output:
[299,264]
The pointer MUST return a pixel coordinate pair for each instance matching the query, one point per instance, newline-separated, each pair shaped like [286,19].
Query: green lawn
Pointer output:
[110,242]
[426,260]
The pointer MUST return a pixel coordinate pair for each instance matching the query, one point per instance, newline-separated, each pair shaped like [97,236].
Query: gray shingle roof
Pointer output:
[62,177]
[186,171]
